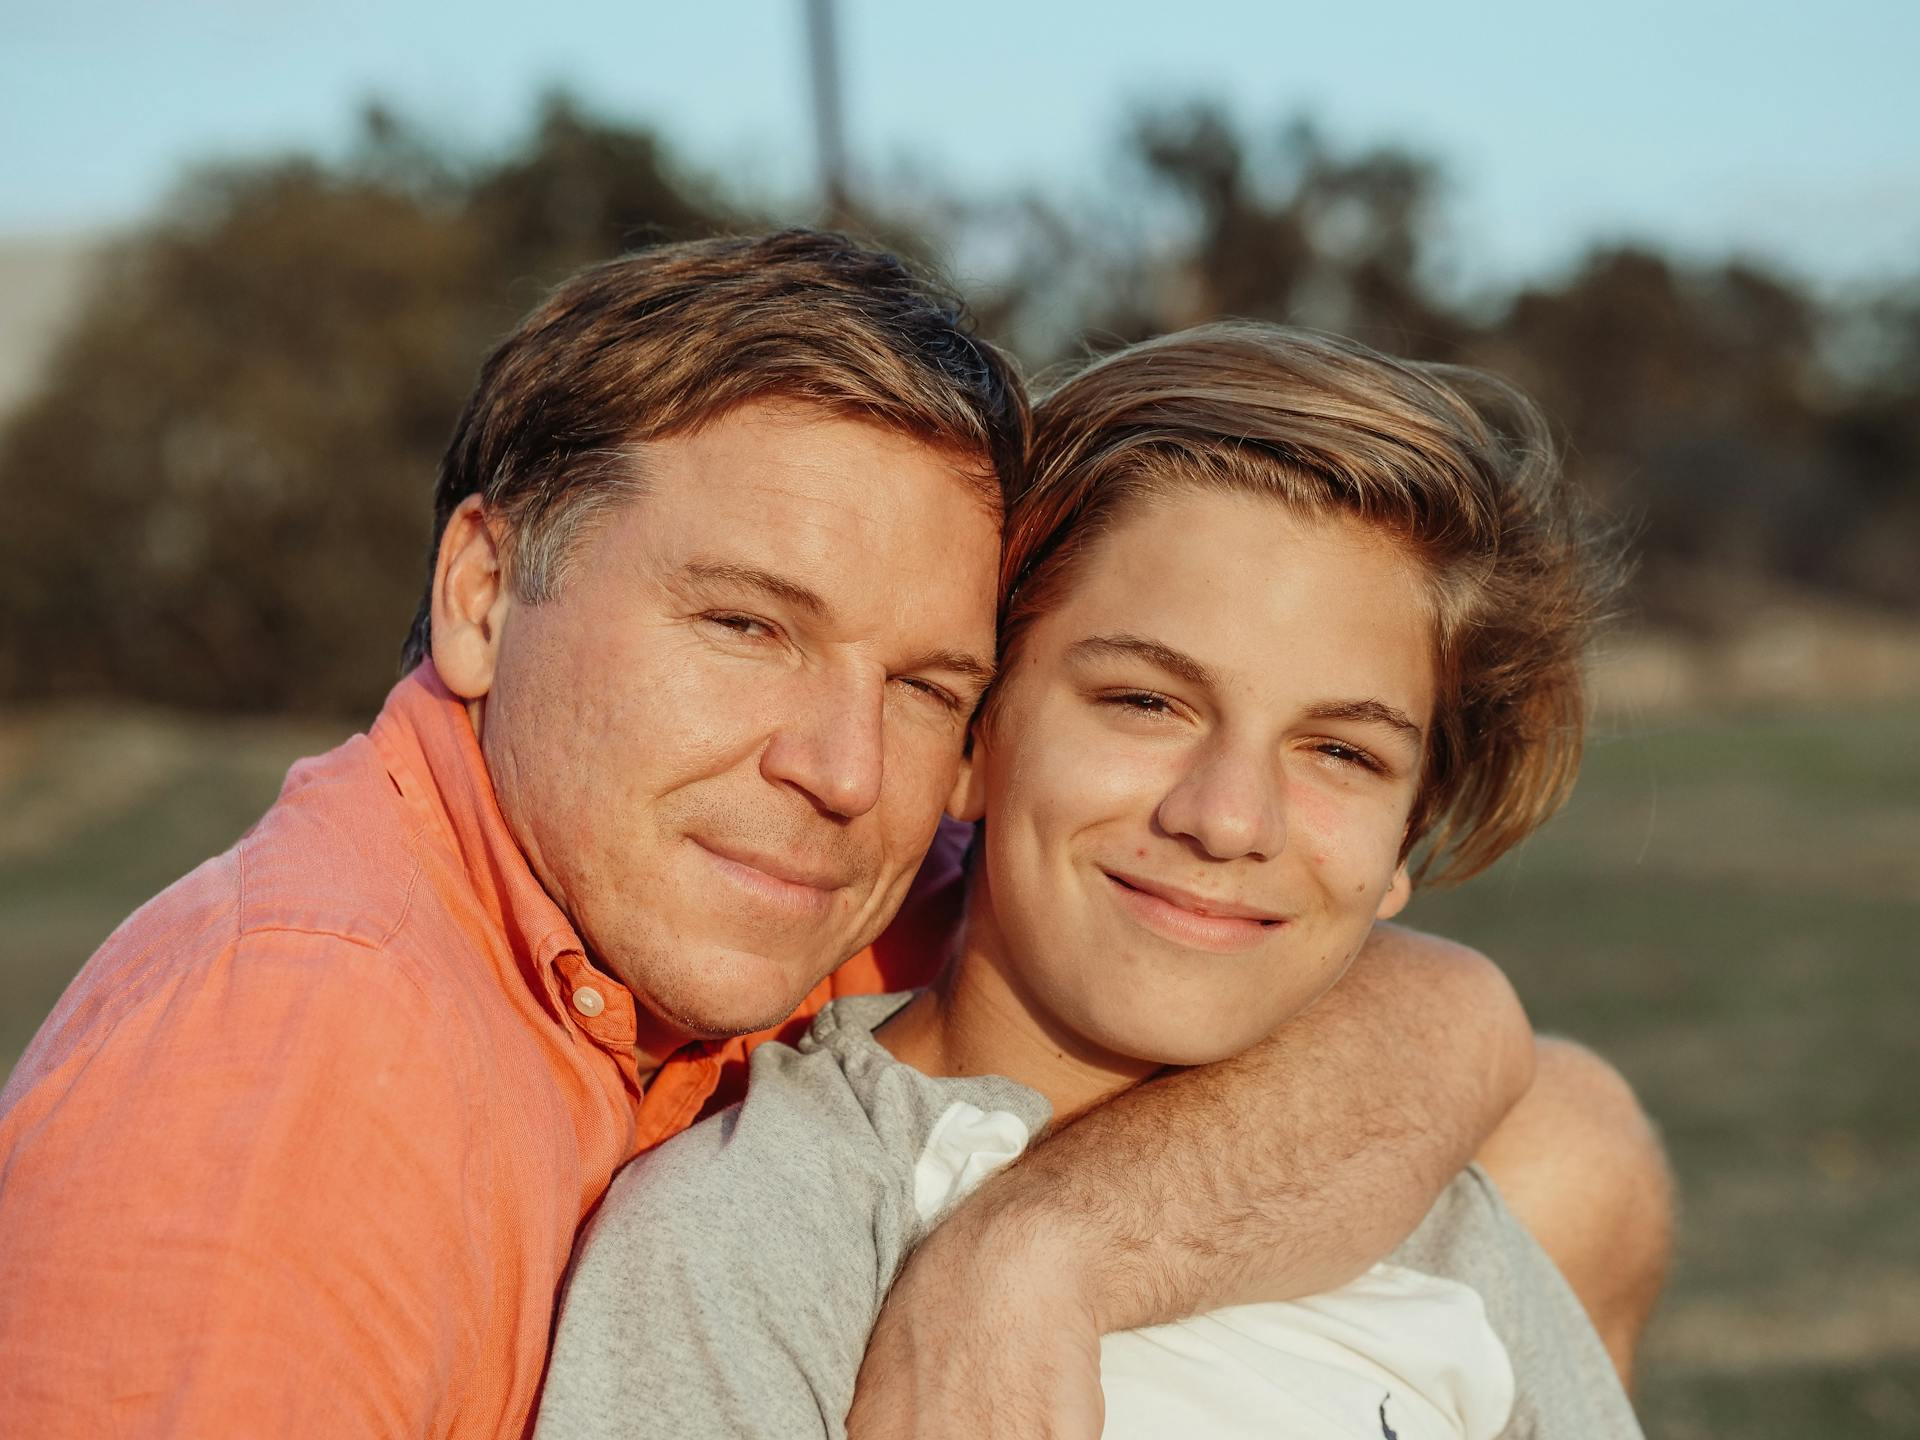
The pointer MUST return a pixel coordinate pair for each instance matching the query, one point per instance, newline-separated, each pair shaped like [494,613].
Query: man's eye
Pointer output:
[750,626]
[927,690]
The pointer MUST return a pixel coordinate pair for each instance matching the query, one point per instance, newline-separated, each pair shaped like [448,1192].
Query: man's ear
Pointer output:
[969,798]
[1398,893]
[470,600]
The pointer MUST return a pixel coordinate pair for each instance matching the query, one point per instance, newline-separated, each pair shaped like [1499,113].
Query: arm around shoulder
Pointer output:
[1281,1172]
[1291,1168]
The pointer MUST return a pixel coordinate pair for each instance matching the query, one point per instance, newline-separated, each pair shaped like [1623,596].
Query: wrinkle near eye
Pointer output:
[927,690]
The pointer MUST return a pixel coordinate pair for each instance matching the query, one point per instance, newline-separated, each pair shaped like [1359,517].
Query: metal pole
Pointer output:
[823,51]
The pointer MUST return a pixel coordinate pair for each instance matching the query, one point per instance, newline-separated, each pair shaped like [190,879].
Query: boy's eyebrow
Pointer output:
[1376,711]
[779,587]
[1176,662]
[1138,647]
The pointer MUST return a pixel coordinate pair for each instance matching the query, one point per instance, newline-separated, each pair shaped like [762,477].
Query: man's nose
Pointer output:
[1230,801]
[832,745]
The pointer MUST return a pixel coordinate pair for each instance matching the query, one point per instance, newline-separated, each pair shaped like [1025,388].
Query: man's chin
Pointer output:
[732,993]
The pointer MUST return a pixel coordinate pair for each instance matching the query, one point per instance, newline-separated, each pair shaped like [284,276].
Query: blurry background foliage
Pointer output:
[217,497]
[217,500]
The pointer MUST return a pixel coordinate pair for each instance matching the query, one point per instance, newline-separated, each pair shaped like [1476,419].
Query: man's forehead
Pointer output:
[809,463]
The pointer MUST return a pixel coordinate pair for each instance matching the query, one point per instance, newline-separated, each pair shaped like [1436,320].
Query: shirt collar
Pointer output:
[426,741]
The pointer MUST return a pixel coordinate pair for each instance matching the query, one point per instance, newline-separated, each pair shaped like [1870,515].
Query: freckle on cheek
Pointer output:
[1141,853]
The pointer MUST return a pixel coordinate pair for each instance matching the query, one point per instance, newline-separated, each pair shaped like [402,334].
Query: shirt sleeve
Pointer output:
[216,1202]
[731,1278]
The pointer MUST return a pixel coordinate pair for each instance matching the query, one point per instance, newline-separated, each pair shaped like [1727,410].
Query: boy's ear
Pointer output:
[470,600]
[969,798]
[1398,893]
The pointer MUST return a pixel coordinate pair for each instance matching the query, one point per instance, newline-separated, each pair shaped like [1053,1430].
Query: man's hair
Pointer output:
[1453,464]
[666,340]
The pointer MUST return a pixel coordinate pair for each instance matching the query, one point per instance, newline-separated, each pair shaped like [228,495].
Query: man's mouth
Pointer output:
[771,877]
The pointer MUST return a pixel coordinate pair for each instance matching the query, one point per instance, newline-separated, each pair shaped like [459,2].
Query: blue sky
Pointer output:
[1761,127]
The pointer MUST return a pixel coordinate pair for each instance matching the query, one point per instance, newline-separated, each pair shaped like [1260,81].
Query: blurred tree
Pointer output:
[220,496]
[1698,404]
[1297,232]
[581,191]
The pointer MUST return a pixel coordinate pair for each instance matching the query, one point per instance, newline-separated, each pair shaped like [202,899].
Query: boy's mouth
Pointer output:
[1220,927]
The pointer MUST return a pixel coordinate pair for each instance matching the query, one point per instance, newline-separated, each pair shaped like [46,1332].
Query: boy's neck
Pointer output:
[980,1019]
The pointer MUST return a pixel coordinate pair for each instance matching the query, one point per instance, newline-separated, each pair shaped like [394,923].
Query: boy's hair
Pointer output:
[668,339]
[1455,465]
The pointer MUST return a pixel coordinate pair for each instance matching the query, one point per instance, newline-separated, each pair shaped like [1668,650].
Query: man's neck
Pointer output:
[979,1019]
[655,1041]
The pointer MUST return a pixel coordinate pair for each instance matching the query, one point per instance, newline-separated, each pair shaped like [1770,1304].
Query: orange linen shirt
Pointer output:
[302,1150]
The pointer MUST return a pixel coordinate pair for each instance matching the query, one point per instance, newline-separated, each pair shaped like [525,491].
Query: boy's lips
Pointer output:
[1220,927]
[1198,904]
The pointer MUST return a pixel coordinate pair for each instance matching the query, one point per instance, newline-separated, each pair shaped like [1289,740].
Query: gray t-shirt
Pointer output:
[731,1278]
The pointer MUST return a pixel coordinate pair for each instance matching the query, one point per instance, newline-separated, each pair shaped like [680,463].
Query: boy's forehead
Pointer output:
[1261,600]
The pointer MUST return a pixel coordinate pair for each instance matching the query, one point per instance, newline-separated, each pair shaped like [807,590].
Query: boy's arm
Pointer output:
[1280,1172]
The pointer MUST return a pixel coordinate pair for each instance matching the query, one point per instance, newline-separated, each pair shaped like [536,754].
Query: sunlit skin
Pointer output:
[1196,782]
[725,744]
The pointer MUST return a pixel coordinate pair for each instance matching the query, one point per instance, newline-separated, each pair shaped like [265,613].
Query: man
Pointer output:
[303,1148]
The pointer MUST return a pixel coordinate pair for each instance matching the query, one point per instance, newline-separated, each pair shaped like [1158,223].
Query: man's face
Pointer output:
[1198,775]
[725,745]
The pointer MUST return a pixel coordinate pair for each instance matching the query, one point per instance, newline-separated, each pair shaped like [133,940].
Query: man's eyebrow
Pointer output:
[1376,712]
[792,592]
[1138,647]
[780,587]
[956,662]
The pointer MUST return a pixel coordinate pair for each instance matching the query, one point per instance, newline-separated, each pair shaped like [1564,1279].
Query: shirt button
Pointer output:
[588,1001]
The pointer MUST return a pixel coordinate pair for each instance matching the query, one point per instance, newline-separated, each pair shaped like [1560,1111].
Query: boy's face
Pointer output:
[1198,776]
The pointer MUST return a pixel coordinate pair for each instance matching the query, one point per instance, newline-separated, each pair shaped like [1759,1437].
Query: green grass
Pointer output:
[1728,910]
[98,811]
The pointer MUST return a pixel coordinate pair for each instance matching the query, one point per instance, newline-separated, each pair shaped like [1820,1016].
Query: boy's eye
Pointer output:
[1142,702]
[1350,755]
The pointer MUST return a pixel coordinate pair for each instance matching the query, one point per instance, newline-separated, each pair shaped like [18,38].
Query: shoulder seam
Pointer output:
[359,942]
[240,889]
[242,929]
[413,883]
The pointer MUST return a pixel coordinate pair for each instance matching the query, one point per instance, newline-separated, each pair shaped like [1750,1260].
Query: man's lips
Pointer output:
[1196,922]
[773,877]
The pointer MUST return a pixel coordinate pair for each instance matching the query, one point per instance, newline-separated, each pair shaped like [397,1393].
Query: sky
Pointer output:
[1783,131]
